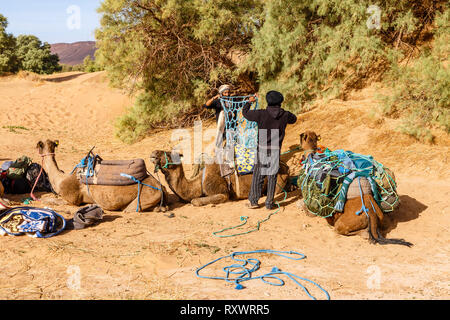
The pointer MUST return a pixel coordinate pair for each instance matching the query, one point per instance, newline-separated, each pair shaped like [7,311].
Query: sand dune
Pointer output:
[151,256]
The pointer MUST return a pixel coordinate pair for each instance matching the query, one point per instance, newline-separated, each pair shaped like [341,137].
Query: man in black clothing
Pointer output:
[214,102]
[272,123]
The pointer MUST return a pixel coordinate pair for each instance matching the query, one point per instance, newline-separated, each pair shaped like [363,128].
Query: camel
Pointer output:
[208,186]
[347,222]
[112,198]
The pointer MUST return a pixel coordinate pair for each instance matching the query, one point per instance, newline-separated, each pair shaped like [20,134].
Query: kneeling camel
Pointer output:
[208,186]
[112,198]
[348,222]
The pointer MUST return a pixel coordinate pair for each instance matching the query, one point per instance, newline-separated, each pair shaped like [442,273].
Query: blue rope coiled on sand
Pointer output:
[243,270]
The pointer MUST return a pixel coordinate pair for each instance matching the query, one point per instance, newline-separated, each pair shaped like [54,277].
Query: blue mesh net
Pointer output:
[239,131]
[325,178]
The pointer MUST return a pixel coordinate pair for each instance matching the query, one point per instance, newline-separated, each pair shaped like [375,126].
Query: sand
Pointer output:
[151,256]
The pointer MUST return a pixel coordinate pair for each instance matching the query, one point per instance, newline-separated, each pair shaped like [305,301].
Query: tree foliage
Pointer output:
[421,89]
[36,56]
[168,45]
[172,52]
[8,59]
[317,48]
[26,52]
[175,53]
[90,65]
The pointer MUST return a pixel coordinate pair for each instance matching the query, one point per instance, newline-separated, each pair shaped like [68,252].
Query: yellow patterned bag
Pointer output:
[245,159]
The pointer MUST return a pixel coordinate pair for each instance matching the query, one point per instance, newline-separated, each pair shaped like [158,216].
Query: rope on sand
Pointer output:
[243,271]
[245,220]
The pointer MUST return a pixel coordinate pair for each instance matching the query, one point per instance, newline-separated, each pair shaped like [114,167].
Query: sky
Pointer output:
[52,21]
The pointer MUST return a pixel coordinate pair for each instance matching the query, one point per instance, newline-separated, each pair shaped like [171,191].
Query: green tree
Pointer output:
[8,59]
[90,65]
[36,56]
[317,48]
[174,52]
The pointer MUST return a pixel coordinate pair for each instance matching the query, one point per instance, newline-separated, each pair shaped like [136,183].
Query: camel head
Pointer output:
[48,147]
[165,159]
[308,140]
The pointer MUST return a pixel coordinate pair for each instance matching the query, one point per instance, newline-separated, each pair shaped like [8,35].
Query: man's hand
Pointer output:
[253,98]
[208,103]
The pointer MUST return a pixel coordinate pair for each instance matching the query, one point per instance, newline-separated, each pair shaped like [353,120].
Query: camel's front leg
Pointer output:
[215,199]
[282,184]
[349,222]
[147,201]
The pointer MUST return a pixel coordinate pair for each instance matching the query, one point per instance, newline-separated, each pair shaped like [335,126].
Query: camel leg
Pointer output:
[215,199]
[164,206]
[282,184]
[145,205]
[148,199]
[349,222]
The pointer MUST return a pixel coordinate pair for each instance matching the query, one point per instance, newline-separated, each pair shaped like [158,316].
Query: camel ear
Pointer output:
[301,136]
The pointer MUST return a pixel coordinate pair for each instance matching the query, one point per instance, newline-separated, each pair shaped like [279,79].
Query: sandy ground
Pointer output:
[151,256]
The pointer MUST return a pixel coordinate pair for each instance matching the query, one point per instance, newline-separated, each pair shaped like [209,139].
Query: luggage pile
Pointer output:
[19,176]
[326,177]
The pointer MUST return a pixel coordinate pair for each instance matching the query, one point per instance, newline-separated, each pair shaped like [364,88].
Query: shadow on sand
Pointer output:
[408,210]
[65,78]
[106,218]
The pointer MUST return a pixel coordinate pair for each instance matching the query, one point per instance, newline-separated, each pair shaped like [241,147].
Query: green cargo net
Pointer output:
[325,178]
[239,131]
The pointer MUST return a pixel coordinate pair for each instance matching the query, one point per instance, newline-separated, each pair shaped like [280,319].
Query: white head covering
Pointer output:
[223,88]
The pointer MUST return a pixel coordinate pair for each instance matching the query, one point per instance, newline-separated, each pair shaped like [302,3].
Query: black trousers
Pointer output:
[257,186]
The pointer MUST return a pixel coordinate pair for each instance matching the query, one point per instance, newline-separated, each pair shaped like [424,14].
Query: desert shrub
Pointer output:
[147,114]
[178,52]
[421,88]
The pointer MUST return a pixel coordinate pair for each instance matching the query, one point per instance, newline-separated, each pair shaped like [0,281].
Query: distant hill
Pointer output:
[73,53]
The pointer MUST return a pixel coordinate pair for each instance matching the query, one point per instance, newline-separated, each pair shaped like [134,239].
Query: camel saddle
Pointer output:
[108,172]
